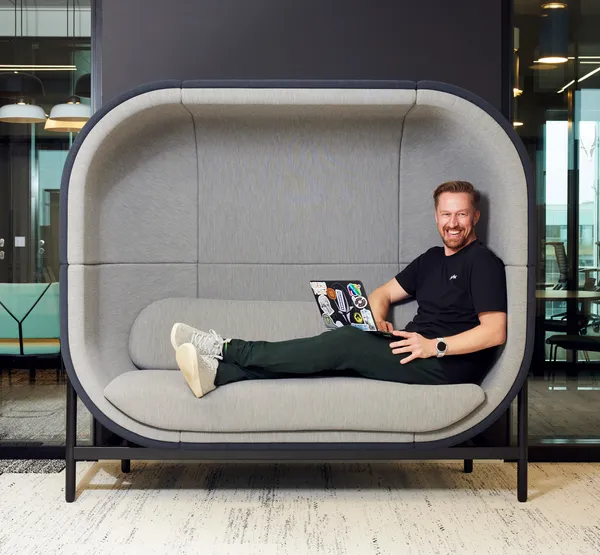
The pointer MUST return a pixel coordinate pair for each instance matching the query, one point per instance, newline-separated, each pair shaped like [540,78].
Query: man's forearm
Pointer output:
[476,339]
[380,304]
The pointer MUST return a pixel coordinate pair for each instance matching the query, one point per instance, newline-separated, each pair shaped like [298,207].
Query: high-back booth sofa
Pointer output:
[215,203]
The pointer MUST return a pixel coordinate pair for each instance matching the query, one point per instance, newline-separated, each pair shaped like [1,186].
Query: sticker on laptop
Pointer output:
[359,302]
[341,301]
[354,289]
[328,321]
[368,319]
[331,293]
[319,287]
[358,317]
[363,327]
[325,305]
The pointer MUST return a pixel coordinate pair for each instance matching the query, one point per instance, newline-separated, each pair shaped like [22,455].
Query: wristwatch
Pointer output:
[440,346]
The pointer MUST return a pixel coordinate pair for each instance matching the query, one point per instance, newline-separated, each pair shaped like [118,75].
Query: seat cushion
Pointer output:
[162,398]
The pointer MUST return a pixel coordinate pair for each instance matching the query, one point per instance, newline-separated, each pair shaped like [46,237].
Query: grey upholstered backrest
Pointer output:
[448,137]
[247,193]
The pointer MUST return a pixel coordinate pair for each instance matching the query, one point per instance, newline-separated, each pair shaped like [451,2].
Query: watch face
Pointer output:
[441,346]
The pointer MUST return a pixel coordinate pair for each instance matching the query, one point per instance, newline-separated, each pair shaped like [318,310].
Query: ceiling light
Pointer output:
[554,5]
[83,87]
[22,113]
[33,67]
[517,92]
[20,85]
[72,110]
[552,60]
[566,86]
[517,123]
[586,76]
[554,37]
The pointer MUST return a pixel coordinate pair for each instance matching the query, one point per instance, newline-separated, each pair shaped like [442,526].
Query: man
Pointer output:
[460,289]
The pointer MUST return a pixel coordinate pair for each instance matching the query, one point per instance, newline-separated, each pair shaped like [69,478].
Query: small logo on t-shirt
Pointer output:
[453,276]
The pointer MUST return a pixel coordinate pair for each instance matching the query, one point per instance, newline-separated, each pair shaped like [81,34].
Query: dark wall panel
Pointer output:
[456,42]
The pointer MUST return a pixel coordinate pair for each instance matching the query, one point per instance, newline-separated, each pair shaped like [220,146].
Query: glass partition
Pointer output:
[557,110]
[45,64]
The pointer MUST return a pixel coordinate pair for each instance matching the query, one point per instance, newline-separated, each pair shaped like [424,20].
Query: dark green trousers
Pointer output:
[346,351]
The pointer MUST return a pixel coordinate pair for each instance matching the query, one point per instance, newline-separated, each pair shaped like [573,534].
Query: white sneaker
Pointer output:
[209,344]
[199,370]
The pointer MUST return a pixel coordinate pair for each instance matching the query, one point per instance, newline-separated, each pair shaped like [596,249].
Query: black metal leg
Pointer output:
[468,466]
[70,443]
[32,375]
[126,466]
[60,371]
[523,444]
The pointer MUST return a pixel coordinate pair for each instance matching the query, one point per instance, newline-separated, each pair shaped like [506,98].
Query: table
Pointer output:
[587,270]
[572,297]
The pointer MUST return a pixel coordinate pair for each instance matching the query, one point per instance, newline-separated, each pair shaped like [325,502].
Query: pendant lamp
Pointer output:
[554,36]
[73,110]
[21,112]
[83,86]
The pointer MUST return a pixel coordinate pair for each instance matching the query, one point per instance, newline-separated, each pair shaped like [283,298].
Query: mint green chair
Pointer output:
[29,326]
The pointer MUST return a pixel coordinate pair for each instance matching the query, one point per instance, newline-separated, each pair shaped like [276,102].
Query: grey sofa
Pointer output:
[214,203]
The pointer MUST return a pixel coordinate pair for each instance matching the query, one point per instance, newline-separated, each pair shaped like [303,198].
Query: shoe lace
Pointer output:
[210,342]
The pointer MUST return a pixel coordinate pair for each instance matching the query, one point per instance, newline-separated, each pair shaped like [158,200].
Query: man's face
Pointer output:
[456,219]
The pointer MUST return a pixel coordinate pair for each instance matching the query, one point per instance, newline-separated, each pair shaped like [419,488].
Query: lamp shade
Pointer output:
[72,110]
[20,85]
[22,113]
[63,126]
[83,87]
[554,37]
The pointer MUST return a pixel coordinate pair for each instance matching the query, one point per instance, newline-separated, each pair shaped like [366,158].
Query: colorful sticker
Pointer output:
[359,302]
[358,318]
[368,318]
[331,293]
[319,287]
[339,324]
[325,305]
[341,301]
[363,327]
[354,289]
[328,321]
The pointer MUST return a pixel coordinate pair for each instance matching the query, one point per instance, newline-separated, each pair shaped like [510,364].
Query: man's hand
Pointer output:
[383,325]
[413,343]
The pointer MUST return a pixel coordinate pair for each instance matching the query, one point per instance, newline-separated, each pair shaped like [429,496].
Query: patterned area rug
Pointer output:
[364,509]
[11,466]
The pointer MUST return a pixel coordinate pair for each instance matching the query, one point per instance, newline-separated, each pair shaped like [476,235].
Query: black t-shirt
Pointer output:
[451,291]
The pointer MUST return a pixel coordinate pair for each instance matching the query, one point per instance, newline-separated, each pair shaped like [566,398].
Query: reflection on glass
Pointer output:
[560,111]
[32,385]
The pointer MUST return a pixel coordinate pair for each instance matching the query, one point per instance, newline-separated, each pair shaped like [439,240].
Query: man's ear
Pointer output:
[476,217]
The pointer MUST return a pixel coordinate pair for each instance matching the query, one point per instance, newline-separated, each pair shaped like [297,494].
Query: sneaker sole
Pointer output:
[187,360]
[173,334]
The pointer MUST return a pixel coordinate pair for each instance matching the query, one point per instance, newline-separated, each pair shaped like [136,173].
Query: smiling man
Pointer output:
[460,290]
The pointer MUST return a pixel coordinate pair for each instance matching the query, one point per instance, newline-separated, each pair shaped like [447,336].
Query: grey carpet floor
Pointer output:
[12,466]
[364,509]
[35,412]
